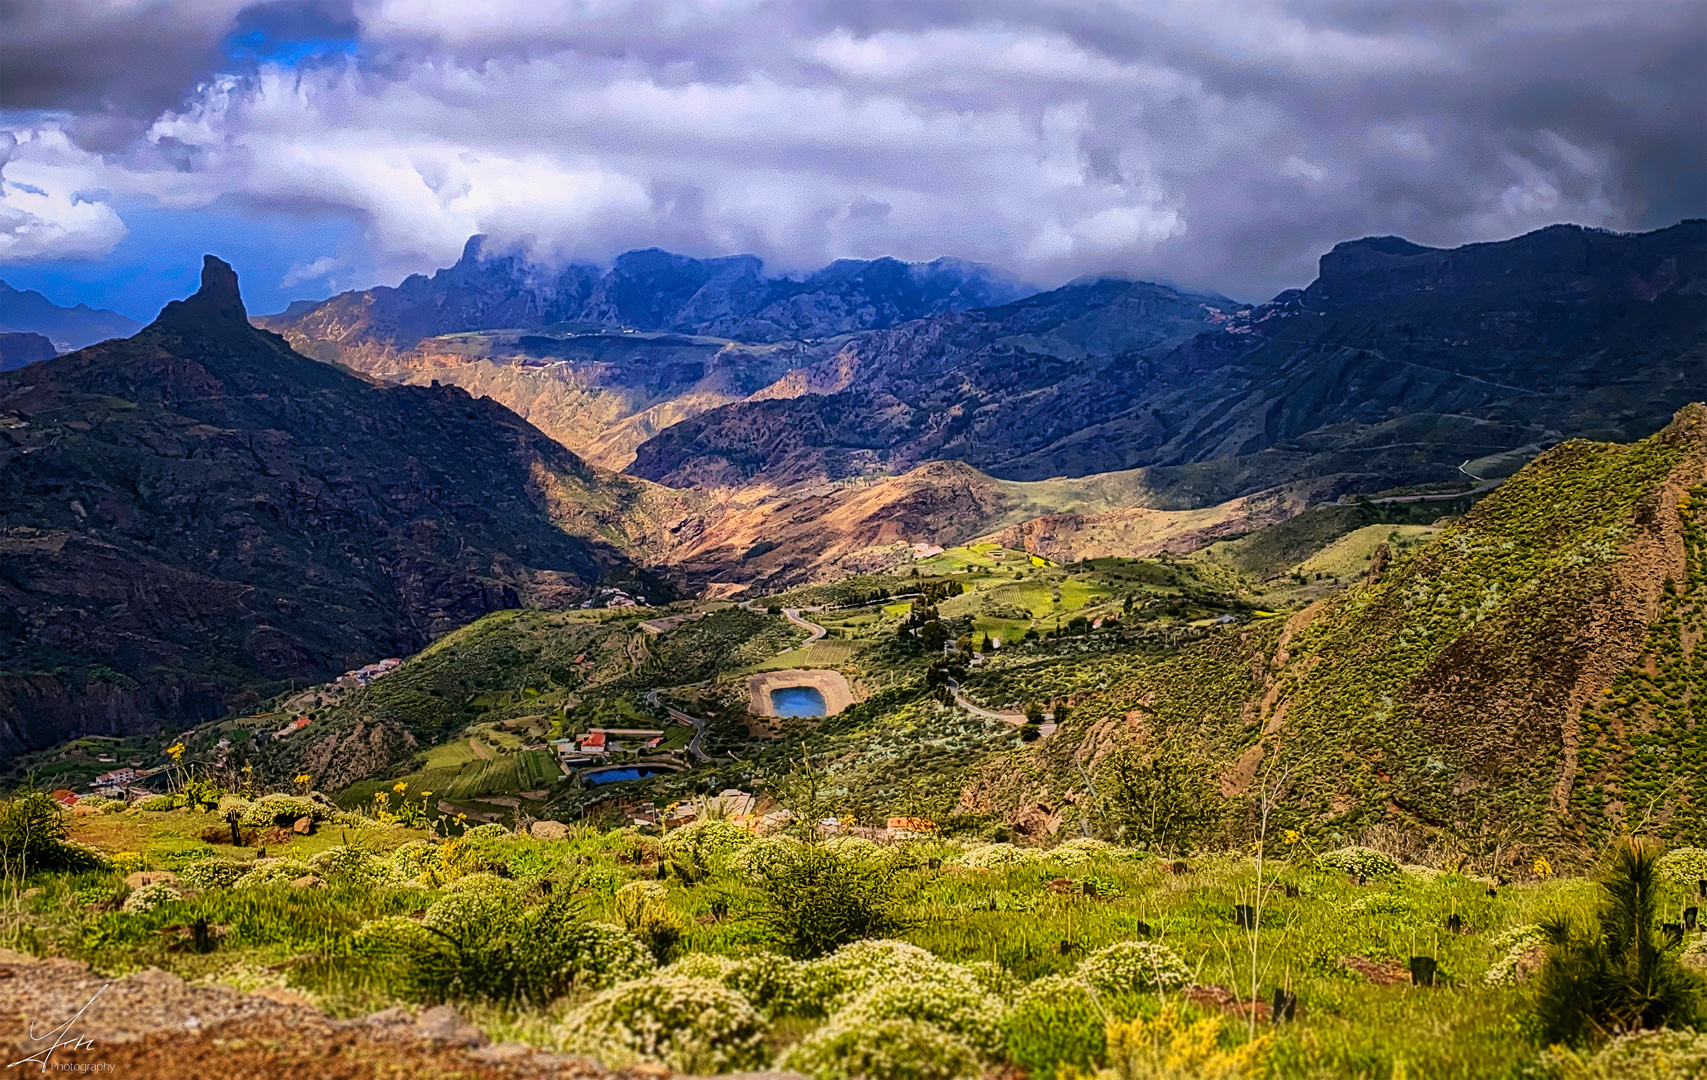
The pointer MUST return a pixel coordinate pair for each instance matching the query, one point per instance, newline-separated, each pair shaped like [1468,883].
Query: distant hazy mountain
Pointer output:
[16,350]
[68,328]
[1399,364]
[646,290]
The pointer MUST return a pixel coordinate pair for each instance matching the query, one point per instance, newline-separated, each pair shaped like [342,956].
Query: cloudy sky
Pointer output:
[329,144]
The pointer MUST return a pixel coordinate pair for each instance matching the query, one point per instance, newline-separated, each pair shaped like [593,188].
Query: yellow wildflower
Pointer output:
[1290,836]
[1542,868]
[176,751]
[400,787]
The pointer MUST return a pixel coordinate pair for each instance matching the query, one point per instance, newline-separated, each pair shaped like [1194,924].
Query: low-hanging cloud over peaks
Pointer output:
[1224,146]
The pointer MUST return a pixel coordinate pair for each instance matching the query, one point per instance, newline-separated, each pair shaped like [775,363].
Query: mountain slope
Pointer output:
[1531,676]
[1397,365]
[70,328]
[644,290]
[16,350]
[199,511]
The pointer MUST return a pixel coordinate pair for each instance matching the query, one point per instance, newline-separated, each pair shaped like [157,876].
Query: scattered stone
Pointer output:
[303,826]
[1379,974]
[549,830]
[150,877]
[443,1024]
[308,881]
[1219,997]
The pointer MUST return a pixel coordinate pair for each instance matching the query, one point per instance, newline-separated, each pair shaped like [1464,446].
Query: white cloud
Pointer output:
[44,211]
[1052,139]
[310,271]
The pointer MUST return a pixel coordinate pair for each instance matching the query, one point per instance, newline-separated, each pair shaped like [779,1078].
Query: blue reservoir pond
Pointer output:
[797,701]
[616,776]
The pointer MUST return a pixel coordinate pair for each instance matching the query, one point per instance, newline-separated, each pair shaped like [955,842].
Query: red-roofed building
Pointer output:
[594,743]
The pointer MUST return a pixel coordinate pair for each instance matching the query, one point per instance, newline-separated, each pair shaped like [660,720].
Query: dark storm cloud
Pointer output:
[1222,145]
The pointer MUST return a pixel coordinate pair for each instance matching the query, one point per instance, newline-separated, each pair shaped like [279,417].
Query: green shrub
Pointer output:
[213,873]
[769,982]
[998,857]
[828,983]
[1612,976]
[1650,1055]
[1130,966]
[154,804]
[962,1010]
[267,873]
[488,946]
[1360,862]
[351,866]
[281,810]
[1516,943]
[698,849]
[642,910]
[34,836]
[1054,1021]
[689,1025]
[1685,865]
[892,1049]
[814,900]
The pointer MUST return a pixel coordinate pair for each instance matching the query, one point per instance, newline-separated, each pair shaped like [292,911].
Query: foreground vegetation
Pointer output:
[707,948]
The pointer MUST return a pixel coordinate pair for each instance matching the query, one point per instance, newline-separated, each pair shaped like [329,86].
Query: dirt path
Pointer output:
[479,751]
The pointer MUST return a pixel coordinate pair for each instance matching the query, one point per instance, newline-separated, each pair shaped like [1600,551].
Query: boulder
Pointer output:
[303,826]
[549,830]
[443,1024]
[308,881]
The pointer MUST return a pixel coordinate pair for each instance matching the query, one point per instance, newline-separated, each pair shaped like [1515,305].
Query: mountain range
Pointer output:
[198,511]
[29,312]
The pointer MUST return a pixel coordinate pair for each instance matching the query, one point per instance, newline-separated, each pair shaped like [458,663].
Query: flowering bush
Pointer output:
[213,873]
[1381,903]
[956,1007]
[394,937]
[415,859]
[1518,943]
[829,982]
[1685,864]
[474,899]
[485,833]
[1170,1045]
[149,897]
[700,847]
[1083,849]
[768,981]
[997,857]
[282,810]
[1129,966]
[994,978]
[754,857]
[892,1049]
[352,866]
[127,862]
[689,1025]
[153,804]
[1360,862]
[1652,1055]
[845,844]
[270,872]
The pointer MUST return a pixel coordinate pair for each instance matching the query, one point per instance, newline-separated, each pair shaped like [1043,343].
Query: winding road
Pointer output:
[695,745]
[793,615]
[1016,719]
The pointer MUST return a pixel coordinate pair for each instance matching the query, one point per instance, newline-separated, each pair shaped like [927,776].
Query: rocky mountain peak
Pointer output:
[218,302]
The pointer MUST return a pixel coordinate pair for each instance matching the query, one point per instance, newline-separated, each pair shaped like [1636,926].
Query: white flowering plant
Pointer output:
[896,1049]
[1360,862]
[688,1025]
[1131,966]
[1514,945]
[148,897]
[1684,865]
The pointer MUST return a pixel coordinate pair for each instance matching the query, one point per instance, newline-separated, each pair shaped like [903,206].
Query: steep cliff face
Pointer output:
[1533,675]
[199,512]
[1398,365]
